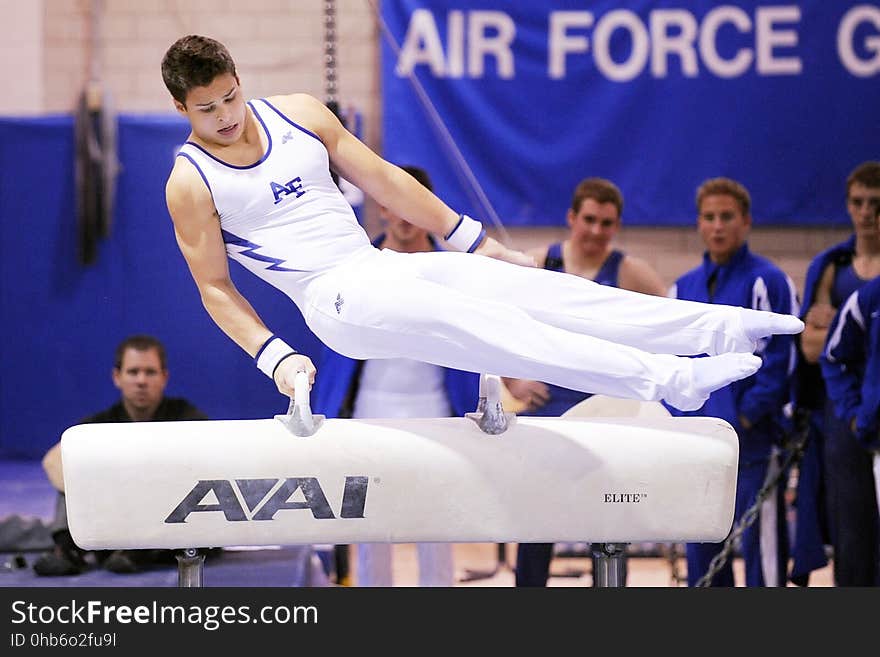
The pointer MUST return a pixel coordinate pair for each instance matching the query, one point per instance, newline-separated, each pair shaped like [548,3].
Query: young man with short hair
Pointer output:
[731,274]
[594,219]
[140,373]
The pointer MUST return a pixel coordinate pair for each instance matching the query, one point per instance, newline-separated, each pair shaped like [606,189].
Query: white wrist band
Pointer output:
[273,351]
[467,234]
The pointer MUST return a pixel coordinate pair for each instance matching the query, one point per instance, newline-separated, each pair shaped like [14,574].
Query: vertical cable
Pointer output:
[459,164]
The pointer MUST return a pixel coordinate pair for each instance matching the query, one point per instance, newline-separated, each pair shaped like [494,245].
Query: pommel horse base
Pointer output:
[493,477]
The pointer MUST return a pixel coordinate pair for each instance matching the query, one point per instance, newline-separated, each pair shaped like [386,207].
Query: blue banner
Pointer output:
[508,104]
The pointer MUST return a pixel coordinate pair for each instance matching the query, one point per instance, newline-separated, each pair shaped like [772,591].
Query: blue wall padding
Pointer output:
[62,321]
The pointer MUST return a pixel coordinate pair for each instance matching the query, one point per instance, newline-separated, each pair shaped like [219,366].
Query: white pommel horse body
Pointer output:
[488,477]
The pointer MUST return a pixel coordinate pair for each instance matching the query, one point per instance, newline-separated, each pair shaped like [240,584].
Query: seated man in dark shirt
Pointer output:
[140,372]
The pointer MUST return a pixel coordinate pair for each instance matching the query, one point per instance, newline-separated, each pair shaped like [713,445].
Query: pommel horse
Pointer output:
[490,477]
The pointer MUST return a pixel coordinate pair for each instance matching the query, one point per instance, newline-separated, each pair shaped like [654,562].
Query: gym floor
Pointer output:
[664,570]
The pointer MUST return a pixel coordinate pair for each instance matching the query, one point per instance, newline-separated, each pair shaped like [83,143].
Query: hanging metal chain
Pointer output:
[330,88]
[795,449]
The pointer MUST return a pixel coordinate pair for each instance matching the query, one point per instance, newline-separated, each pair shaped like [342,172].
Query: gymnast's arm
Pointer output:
[388,185]
[197,229]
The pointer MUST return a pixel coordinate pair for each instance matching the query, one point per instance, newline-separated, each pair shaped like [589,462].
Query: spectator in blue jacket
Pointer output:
[396,387]
[851,365]
[731,274]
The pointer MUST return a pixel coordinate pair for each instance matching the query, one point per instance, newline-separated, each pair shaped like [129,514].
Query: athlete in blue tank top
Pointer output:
[593,219]
[561,399]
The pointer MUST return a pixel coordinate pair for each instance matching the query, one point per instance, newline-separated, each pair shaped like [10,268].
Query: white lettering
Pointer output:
[682,44]
[724,68]
[561,43]
[455,44]
[638,57]
[767,38]
[17,608]
[421,45]
[481,44]
[727,43]
[859,67]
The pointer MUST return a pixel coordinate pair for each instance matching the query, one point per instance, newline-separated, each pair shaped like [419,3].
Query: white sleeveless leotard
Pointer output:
[283,218]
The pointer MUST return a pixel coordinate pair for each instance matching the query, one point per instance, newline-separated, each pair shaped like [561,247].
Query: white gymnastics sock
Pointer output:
[761,324]
[710,374]
[744,327]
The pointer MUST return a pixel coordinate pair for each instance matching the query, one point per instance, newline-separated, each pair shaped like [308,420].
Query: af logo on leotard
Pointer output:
[280,190]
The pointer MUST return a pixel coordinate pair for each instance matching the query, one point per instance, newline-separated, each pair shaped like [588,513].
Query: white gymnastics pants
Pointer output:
[479,314]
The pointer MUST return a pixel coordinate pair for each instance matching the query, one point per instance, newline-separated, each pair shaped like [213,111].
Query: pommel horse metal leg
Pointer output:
[609,565]
[190,568]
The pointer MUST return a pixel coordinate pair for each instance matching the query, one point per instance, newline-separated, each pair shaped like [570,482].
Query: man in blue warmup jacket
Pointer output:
[731,274]
[851,365]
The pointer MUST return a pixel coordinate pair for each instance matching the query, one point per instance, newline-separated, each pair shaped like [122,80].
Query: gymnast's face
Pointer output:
[217,113]
[722,226]
[593,226]
[141,380]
